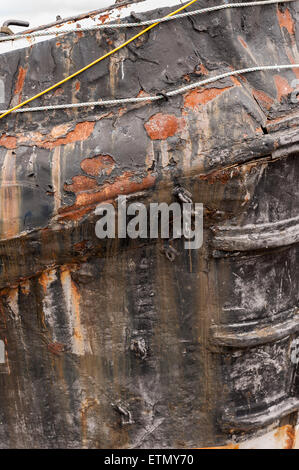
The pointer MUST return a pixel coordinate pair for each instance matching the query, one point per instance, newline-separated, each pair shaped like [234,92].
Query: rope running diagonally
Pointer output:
[158,97]
[108,54]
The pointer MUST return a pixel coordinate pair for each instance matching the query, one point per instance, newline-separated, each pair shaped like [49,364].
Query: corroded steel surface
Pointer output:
[216,325]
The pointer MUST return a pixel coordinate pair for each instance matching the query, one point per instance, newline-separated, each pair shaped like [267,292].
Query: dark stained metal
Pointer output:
[141,343]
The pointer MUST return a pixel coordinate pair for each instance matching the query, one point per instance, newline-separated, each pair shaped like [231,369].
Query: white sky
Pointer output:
[39,12]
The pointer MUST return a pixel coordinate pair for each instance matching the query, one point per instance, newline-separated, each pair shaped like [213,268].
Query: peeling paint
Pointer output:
[94,166]
[81,183]
[196,98]
[82,131]
[124,184]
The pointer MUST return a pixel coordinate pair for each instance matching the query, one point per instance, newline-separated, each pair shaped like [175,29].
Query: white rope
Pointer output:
[157,97]
[144,23]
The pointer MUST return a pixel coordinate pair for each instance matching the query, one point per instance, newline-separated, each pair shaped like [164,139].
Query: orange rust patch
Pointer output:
[283,87]
[80,183]
[77,85]
[124,184]
[195,97]
[263,98]
[59,135]
[103,18]
[161,126]
[20,80]
[81,132]
[93,166]
[285,20]
[8,142]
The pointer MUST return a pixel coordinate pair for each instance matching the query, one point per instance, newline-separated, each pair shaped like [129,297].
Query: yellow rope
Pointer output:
[94,62]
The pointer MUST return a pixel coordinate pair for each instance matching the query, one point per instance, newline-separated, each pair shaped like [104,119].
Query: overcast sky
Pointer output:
[44,11]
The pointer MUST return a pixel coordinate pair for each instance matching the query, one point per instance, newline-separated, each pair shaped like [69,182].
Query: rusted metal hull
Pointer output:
[218,324]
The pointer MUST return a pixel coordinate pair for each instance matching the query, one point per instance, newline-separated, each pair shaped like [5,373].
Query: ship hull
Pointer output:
[218,325]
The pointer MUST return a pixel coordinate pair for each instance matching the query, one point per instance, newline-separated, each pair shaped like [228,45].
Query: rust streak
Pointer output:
[291,435]
[46,278]
[241,40]
[77,85]
[20,82]
[285,20]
